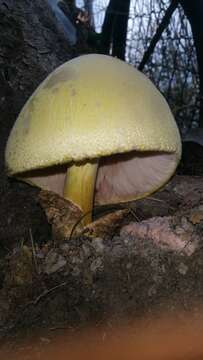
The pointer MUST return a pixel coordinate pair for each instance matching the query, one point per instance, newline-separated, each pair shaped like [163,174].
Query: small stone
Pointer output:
[186,225]
[45,340]
[54,262]
[96,265]
[152,291]
[183,269]
[65,248]
[98,245]
[76,271]
[86,250]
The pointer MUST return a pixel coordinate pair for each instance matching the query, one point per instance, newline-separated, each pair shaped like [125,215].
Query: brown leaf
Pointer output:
[106,225]
[66,218]
[196,217]
[62,214]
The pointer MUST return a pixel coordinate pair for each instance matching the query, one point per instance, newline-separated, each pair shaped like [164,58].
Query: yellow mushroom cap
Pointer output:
[91,107]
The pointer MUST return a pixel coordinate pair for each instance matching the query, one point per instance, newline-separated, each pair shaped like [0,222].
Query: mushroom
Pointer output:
[96,131]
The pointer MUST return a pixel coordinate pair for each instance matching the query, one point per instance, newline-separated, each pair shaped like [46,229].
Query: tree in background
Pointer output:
[194,13]
[114,35]
[114,29]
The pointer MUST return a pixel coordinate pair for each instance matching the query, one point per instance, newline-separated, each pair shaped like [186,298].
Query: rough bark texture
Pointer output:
[31,46]
[194,12]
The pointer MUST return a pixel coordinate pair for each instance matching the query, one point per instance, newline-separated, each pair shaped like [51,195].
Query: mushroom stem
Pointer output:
[79,187]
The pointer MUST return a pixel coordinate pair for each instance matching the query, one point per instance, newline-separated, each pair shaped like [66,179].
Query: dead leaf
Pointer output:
[62,214]
[106,225]
[196,217]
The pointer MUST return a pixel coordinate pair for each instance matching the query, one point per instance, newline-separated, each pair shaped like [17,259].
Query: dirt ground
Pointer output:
[50,281]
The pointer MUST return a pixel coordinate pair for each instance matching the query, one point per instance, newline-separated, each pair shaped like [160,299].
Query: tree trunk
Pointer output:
[194,13]
[107,27]
[120,29]
[31,46]
[114,30]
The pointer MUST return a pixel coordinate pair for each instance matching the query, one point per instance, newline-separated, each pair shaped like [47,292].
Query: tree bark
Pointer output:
[120,29]
[194,12]
[114,30]
[31,46]
[107,27]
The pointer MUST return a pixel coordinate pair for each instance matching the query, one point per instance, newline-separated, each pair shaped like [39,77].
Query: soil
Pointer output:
[61,281]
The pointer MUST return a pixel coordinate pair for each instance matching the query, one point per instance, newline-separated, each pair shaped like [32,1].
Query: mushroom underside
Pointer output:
[120,177]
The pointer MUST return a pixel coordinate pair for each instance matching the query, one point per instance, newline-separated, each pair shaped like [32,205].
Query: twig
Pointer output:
[44,294]
[164,23]
[133,213]
[34,251]
[33,302]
